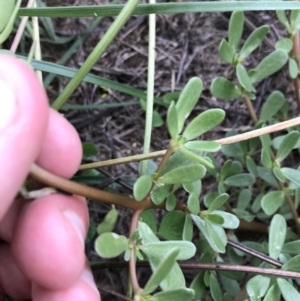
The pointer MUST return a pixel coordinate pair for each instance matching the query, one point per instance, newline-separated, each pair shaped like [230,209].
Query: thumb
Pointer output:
[23,122]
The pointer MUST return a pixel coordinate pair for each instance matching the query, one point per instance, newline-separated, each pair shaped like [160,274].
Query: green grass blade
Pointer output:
[160,8]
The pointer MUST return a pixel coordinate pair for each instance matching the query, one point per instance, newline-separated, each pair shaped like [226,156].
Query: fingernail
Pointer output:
[77,223]
[87,277]
[7,104]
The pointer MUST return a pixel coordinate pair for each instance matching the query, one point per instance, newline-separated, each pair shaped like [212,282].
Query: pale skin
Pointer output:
[41,241]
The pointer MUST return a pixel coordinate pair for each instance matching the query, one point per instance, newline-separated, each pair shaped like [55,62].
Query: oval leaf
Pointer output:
[269,65]
[271,106]
[180,294]
[224,89]
[171,202]
[184,174]
[240,180]
[244,78]
[187,233]
[187,100]
[235,30]
[230,220]
[288,292]
[172,121]
[162,270]
[293,68]
[215,219]
[204,146]
[226,53]
[253,41]
[142,187]
[292,174]
[203,123]
[293,264]
[109,245]
[215,288]
[193,204]
[271,201]
[257,287]
[285,44]
[109,222]
[277,235]
[219,201]
[287,145]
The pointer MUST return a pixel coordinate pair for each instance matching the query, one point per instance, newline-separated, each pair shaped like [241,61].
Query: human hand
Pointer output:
[41,241]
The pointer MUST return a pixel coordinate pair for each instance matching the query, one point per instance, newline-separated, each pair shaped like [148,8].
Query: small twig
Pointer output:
[250,108]
[254,253]
[101,288]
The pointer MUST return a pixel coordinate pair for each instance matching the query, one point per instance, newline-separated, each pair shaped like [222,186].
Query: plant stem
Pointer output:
[96,53]
[224,141]
[248,103]
[164,160]
[150,88]
[296,54]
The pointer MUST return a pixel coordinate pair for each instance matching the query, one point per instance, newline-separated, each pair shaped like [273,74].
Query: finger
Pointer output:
[61,151]
[48,242]
[23,122]
[12,280]
[83,289]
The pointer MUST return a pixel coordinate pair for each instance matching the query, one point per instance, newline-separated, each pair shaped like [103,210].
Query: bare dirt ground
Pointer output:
[187,46]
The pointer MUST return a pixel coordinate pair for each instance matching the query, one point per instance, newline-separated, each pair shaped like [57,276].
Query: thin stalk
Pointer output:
[250,108]
[132,262]
[150,88]
[224,141]
[96,53]
[36,40]
[20,30]
[296,55]
[164,160]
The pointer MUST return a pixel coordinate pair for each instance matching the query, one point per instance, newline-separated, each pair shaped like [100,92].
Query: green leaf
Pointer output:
[168,97]
[109,245]
[187,100]
[240,180]
[193,156]
[277,141]
[269,65]
[162,270]
[6,9]
[277,235]
[146,233]
[198,286]
[215,236]
[174,295]
[292,174]
[288,292]
[292,264]
[193,187]
[266,158]
[244,78]
[243,214]
[203,123]
[171,226]
[172,121]
[273,294]
[271,106]
[225,52]
[171,202]
[285,44]
[89,150]
[257,287]
[291,247]
[271,201]
[235,30]
[148,217]
[184,174]
[193,204]
[157,121]
[293,68]
[267,175]
[230,220]
[142,187]
[224,89]
[187,233]
[215,219]
[219,201]
[253,41]
[256,205]
[91,232]
[204,146]
[287,145]
[295,18]
[159,194]
[244,199]
[215,289]
[282,18]
[186,249]
[109,222]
